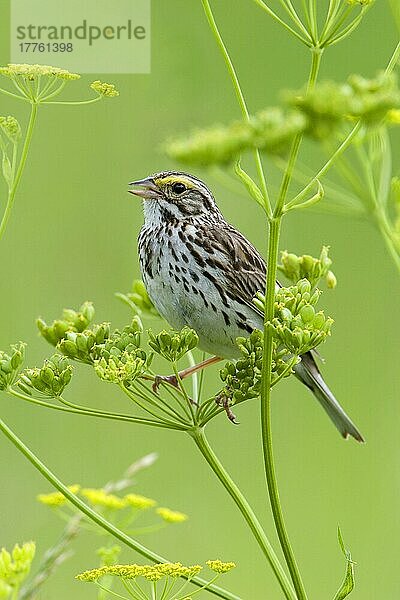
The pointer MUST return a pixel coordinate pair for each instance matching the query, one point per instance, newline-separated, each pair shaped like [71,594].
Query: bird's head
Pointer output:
[173,195]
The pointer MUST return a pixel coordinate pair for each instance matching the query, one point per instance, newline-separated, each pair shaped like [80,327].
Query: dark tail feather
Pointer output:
[307,371]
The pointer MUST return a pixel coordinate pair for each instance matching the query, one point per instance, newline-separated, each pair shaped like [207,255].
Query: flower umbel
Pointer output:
[107,90]
[15,566]
[173,345]
[307,267]
[32,72]
[10,364]
[171,516]
[50,380]
[11,128]
[220,567]
[152,574]
[57,498]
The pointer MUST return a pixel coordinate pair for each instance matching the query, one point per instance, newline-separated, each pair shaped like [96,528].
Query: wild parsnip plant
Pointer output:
[161,581]
[347,119]
[37,85]
[123,358]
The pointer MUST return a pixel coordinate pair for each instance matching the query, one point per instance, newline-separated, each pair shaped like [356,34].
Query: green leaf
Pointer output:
[348,582]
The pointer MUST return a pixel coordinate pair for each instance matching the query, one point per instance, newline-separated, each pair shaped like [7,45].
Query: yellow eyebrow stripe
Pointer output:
[174,179]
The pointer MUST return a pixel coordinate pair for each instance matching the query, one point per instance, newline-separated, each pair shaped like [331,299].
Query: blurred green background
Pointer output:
[72,237]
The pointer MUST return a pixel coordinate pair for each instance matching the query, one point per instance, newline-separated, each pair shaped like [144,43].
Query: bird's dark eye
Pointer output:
[178,188]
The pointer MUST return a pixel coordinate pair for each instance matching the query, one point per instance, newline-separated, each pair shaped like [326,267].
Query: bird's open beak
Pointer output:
[146,189]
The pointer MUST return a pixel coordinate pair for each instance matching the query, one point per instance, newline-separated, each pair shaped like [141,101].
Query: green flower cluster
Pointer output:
[50,380]
[173,345]
[116,356]
[271,130]
[80,345]
[150,572]
[107,90]
[330,104]
[120,359]
[307,267]
[316,113]
[296,325]
[11,128]
[242,378]
[15,568]
[71,321]
[124,368]
[32,72]
[10,364]
[138,300]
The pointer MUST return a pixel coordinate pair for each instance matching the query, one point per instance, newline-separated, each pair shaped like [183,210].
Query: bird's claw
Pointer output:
[223,401]
[159,379]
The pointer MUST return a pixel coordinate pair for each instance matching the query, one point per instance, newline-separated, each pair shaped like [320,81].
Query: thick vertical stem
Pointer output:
[266,427]
[201,441]
[24,154]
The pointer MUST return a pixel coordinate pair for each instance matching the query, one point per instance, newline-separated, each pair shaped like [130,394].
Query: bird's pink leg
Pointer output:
[171,379]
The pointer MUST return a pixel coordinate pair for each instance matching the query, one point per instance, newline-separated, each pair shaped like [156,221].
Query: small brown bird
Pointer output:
[201,272]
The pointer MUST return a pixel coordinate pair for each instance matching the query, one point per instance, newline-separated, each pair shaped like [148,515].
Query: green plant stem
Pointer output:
[91,412]
[338,152]
[266,377]
[97,518]
[24,154]
[266,427]
[72,102]
[394,60]
[203,445]
[277,18]
[7,93]
[240,97]
[392,244]
[52,559]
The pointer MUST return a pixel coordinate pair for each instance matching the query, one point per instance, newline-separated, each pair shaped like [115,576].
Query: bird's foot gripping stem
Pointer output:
[223,402]
[159,379]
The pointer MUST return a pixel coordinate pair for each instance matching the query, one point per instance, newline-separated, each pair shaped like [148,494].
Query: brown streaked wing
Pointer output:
[245,270]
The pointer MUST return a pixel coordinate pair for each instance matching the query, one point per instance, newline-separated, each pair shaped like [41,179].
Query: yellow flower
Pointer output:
[137,501]
[104,89]
[220,567]
[393,116]
[171,516]
[148,572]
[101,498]
[57,498]
[31,72]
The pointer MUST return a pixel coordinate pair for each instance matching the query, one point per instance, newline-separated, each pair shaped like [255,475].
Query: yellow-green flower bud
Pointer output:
[32,72]
[11,128]
[107,90]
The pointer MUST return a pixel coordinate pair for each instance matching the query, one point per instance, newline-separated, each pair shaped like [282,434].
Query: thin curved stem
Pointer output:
[72,102]
[393,60]
[7,93]
[88,412]
[294,152]
[203,445]
[96,517]
[24,154]
[307,41]
[338,152]
[239,95]
[134,398]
